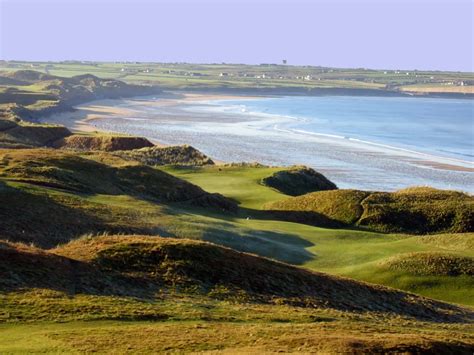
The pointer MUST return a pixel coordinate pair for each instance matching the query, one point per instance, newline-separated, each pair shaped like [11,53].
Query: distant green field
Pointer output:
[181,76]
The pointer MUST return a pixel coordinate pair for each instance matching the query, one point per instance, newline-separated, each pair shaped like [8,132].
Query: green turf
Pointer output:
[240,183]
[356,254]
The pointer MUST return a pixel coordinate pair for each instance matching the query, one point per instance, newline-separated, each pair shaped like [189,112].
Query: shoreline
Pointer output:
[108,109]
[172,119]
[324,91]
[83,114]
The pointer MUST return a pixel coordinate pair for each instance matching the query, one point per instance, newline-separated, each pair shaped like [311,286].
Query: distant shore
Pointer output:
[177,118]
[82,117]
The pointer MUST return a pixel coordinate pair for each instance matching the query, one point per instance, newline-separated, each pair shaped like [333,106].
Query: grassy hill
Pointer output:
[62,187]
[101,142]
[212,268]
[28,94]
[174,155]
[298,181]
[413,210]
[140,266]
[187,290]
[27,135]
[359,254]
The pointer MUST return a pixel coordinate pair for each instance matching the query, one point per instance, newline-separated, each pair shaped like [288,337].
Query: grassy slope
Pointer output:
[417,210]
[104,319]
[356,254]
[234,326]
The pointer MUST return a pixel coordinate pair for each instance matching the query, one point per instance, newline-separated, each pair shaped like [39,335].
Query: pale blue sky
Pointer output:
[405,34]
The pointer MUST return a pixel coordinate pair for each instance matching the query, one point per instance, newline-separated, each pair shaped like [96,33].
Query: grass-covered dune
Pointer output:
[140,266]
[203,296]
[102,142]
[353,252]
[27,135]
[55,196]
[72,177]
[298,181]
[173,155]
[27,94]
[148,294]
[413,210]
[431,263]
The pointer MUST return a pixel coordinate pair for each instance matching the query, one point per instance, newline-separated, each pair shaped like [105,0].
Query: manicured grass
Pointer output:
[356,254]
[240,183]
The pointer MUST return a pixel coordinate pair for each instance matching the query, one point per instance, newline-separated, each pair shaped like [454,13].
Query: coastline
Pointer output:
[81,118]
[172,118]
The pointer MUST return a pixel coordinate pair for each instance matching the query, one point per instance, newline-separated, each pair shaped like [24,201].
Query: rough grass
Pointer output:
[28,134]
[175,155]
[298,181]
[94,279]
[107,143]
[413,210]
[343,206]
[345,252]
[142,266]
[323,336]
[430,263]
[65,188]
[77,173]
[90,280]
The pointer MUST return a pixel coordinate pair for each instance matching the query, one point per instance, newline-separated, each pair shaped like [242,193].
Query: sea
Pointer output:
[370,143]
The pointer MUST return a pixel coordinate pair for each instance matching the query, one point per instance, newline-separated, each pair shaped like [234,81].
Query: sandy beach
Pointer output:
[84,116]
[192,118]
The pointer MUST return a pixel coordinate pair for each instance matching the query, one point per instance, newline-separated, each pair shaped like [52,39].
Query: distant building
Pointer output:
[284,61]
[223,74]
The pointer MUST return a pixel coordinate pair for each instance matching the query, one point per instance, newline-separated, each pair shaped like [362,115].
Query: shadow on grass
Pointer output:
[138,270]
[286,247]
[45,221]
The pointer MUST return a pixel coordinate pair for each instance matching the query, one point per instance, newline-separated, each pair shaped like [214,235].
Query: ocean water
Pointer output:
[442,127]
[371,143]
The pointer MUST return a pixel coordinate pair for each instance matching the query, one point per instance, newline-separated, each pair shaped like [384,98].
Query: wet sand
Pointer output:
[81,120]
[174,119]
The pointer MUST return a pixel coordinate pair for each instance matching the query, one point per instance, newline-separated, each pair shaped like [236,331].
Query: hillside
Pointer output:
[298,181]
[189,290]
[27,94]
[83,289]
[142,265]
[102,142]
[26,135]
[436,264]
[174,155]
[73,177]
[413,210]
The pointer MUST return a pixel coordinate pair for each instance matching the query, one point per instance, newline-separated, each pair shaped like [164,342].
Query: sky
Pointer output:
[383,34]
